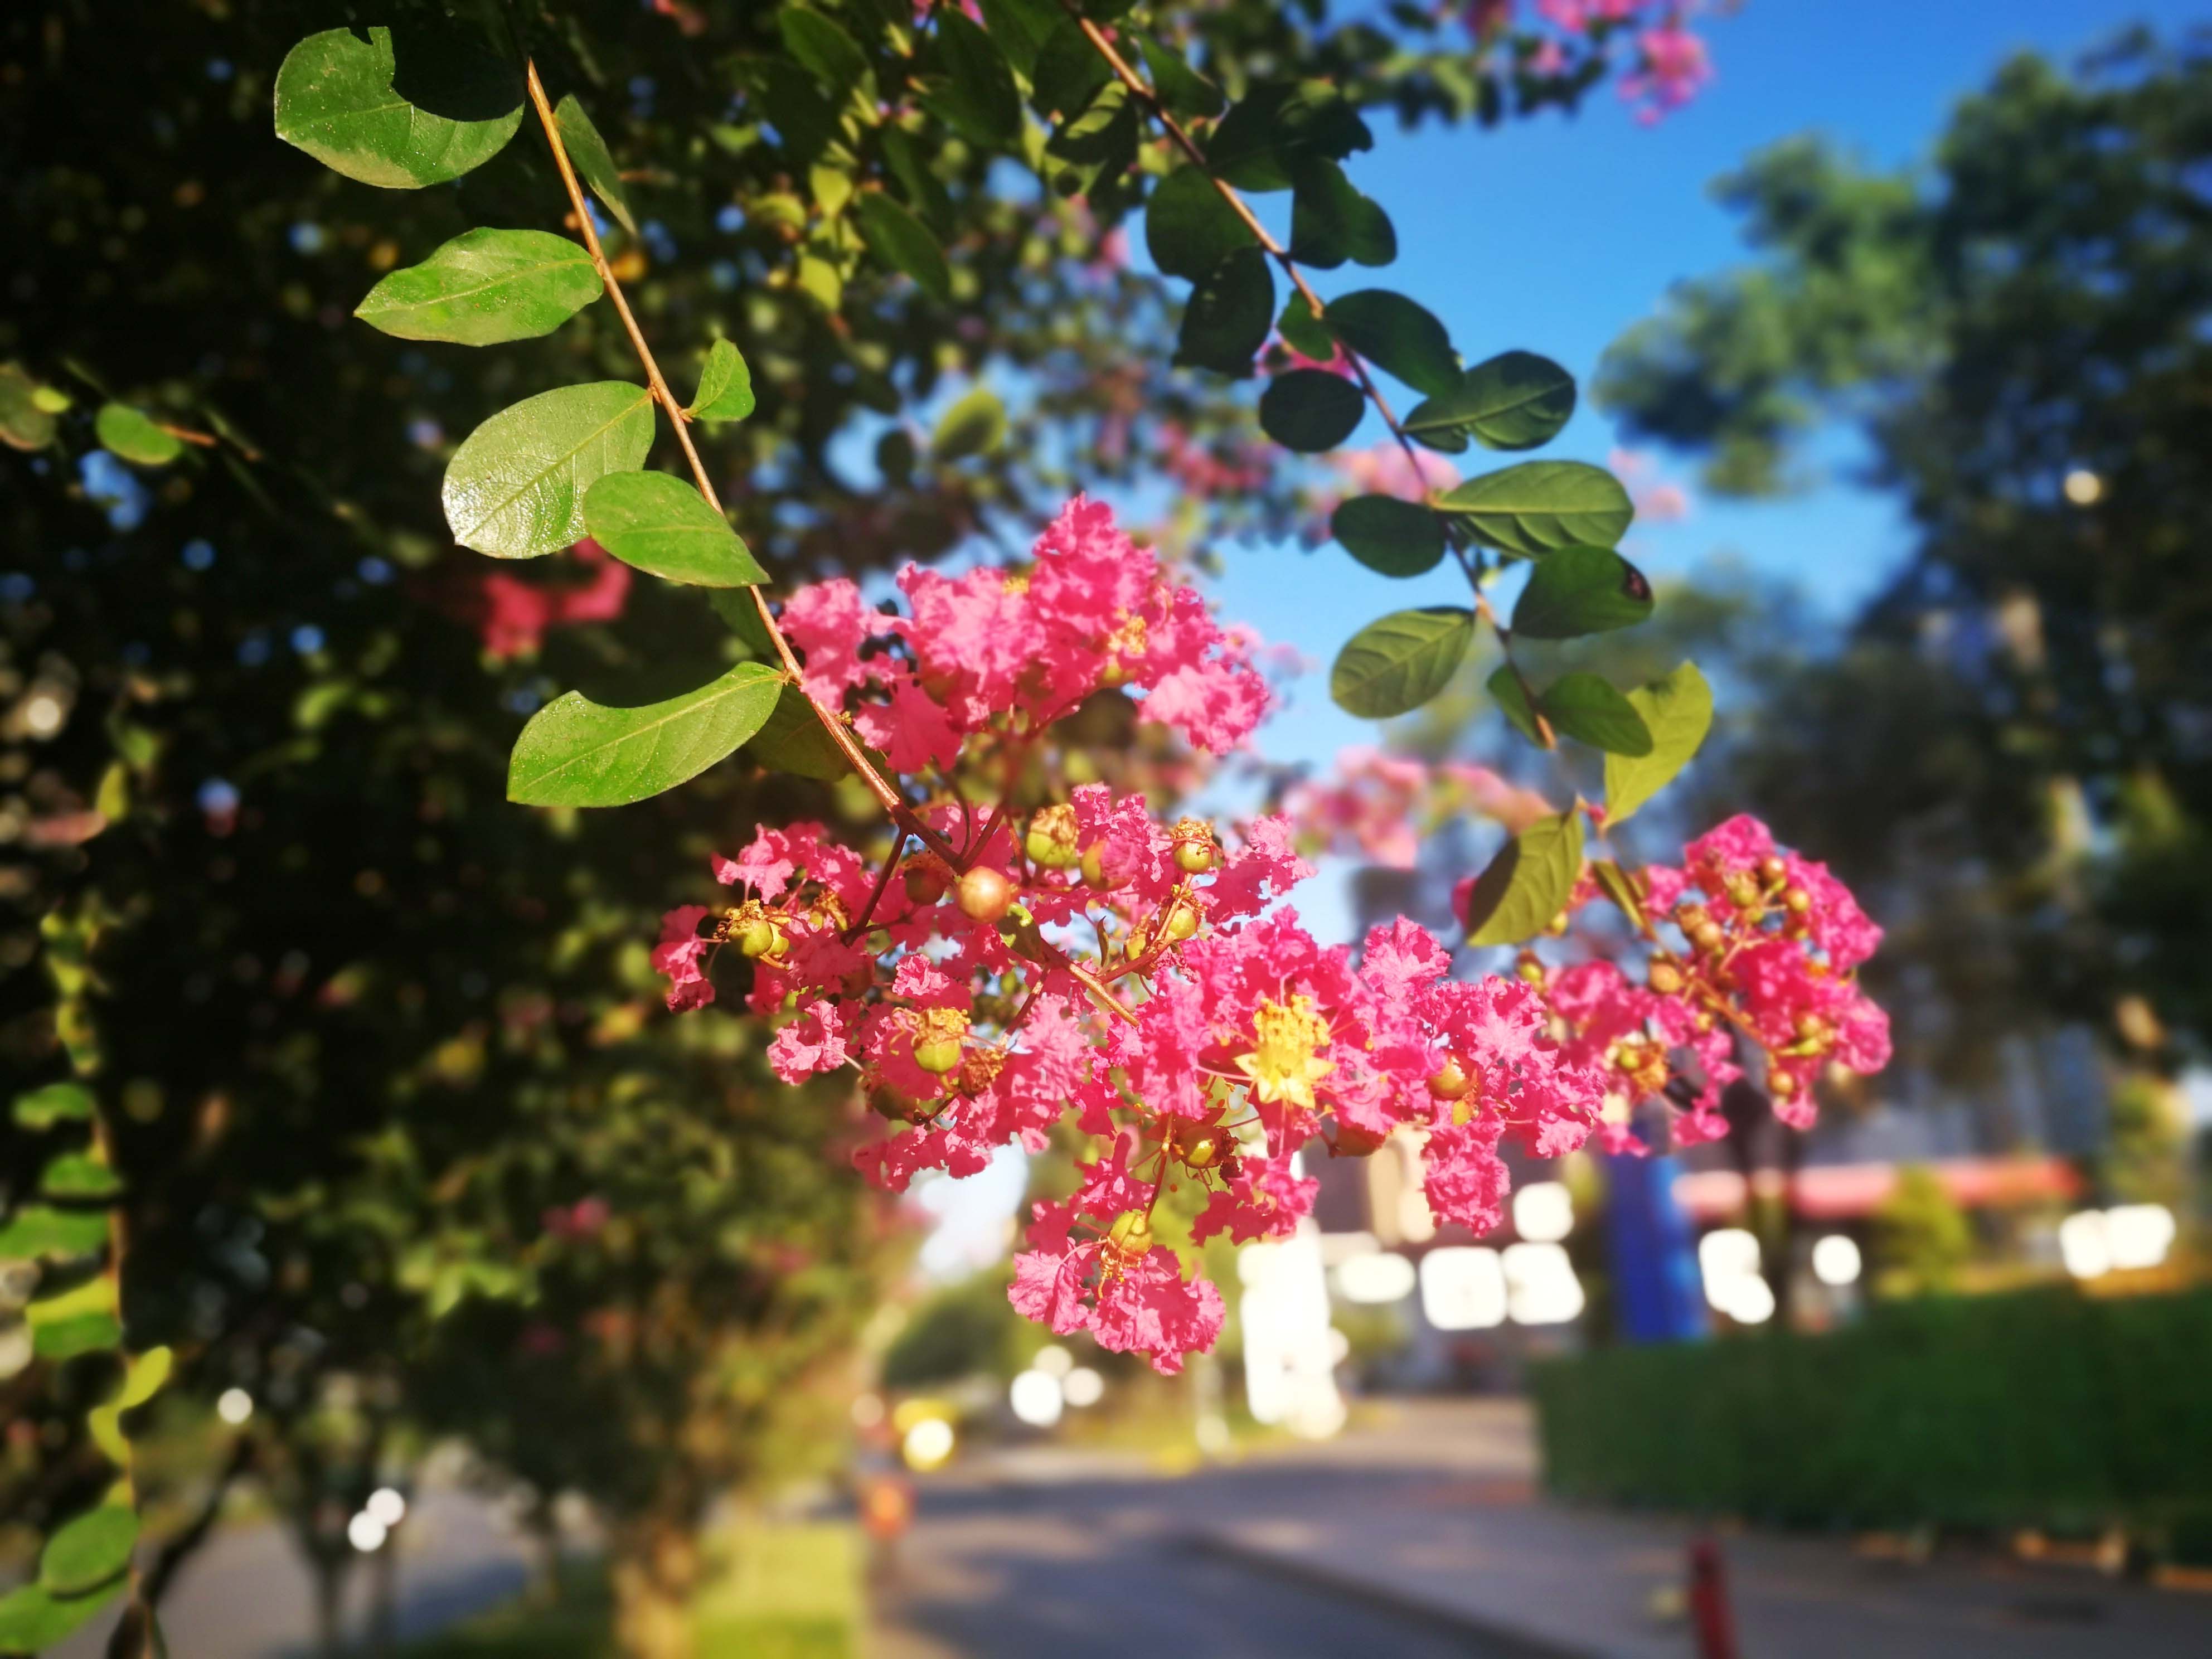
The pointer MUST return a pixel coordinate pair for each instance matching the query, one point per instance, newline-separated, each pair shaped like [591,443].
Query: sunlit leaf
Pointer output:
[1511,697]
[1182,90]
[1677,711]
[1226,323]
[1516,400]
[78,1175]
[594,161]
[1397,336]
[1189,228]
[1537,506]
[1400,661]
[980,102]
[88,1550]
[974,425]
[822,46]
[335,101]
[725,385]
[33,1621]
[516,487]
[1399,538]
[903,242]
[576,752]
[1311,409]
[1069,71]
[792,740]
[131,435]
[53,1102]
[36,1231]
[1528,884]
[1585,706]
[1574,591]
[665,528]
[484,287]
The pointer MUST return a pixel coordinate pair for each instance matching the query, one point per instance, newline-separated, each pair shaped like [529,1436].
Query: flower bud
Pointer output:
[1196,853]
[889,1102]
[1452,1083]
[1812,1027]
[1771,869]
[1131,1233]
[1707,935]
[1781,1084]
[1665,978]
[1201,1145]
[926,881]
[1530,971]
[1182,922]
[1096,872]
[1798,900]
[984,894]
[1050,842]
[860,979]
[754,932]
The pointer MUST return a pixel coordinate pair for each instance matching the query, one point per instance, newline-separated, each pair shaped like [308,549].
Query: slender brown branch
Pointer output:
[833,719]
[876,893]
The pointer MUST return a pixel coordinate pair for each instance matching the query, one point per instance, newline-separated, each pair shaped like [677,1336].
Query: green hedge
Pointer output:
[2044,1409]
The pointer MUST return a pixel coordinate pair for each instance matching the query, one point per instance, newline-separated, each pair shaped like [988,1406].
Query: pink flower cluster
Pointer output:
[513,615]
[1379,807]
[1670,64]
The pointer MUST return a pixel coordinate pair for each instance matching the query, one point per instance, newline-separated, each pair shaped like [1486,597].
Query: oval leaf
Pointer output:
[1585,707]
[1311,409]
[78,1175]
[823,47]
[725,385]
[1511,697]
[131,434]
[1537,506]
[89,1550]
[981,102]
[792,740]
[1189,228]
[32,1620]
[1226,323]
[593,160]
[1399,538]
[485,288]
[516,487]
[1069,71]
[975,425]
[25,423]
[1528,884]
[1576,590]
[1181,90]
[1515,401]
[36,1231]
[1677,711]
[903,242]
[335,101]
[665,528]
[53,1102]
[576,752]
[1331,221]
[1397,336]
[1400,661]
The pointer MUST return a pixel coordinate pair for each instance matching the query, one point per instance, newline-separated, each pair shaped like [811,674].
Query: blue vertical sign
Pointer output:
[1657,1295]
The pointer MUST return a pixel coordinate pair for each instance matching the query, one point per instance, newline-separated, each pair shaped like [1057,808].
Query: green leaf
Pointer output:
[516,487]
[1677,711]
[1226,323]
[1278,126]
[1537,506]
[87,1550]
[1303,332]
[791,740]
[725,385]
[32,1620]
[975,425]
[1188,229]
[823,48]
[1069,71]
[1621,887]
[144,1377]
[1585,707]
[78,1175]
[1399,538]
[1514,401]
[1021,27]
[131,434]
[25,424]
[53,1102]
[79,1320]
[924,192]
[485,288]
[576,752]
[1311,409]
[335,101]
[40,1231]
[665,528]
[1397,336]
[1512,700]
[1574,591]
[1331,221]
[1400,661]
[593,160]
[740,608]
[903,242]
[1182,90]
[1527,886]
[981,102]
[1091,151]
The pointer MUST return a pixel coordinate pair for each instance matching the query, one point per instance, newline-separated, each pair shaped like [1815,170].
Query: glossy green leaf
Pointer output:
[53,1102]
[903,242]
[1395,335]
[663,526]
[1399,538]
[1094,149]
[484,287]
[88,1550]
[1677,711]
[1621,887]
[725,385]
[1574,591]
[980,101]
[593,160]
[1527,886]
[1537,506]
[576,752]
[1304,332]
[24,423]
[79,1320]
[792,740]
[1021,27]
[39,1232]
[516,487]
[1514,401]
[975,425]
[1400,661]
[132,436]
[1278,126]
[1189,229]
[33,1621]
[1182,90]
[335,101]
[1311,409]
[1585,706]
[1511,697]
[740,608]
[146,1375]
[1069,71]
[823,48]
[78,1175]
[1331,221]
[1226,323]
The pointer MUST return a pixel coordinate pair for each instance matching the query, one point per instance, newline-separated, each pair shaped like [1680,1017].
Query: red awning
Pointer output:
[1843,1192]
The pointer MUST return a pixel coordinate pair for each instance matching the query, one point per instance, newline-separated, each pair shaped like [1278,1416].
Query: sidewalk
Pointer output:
[1481,1550]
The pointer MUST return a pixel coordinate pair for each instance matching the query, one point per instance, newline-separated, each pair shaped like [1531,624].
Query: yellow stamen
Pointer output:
[1283,1065]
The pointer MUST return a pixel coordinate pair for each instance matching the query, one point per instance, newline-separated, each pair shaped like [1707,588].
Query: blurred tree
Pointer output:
[1921,1237]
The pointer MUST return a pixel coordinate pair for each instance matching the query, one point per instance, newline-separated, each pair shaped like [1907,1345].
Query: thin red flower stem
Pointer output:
[1148,101]
[833,719]
[876,893]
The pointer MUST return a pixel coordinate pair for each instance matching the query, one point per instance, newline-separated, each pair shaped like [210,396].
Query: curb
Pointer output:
[1508,1641]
